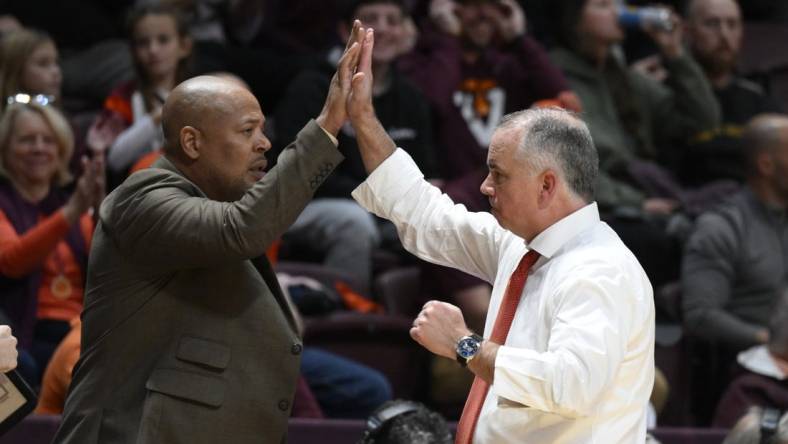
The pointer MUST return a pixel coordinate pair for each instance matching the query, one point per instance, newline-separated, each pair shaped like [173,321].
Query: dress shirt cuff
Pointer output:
[330,136]
[388,183]
[521,375]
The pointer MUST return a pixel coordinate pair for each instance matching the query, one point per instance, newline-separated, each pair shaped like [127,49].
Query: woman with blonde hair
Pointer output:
[45,230]
[29,65]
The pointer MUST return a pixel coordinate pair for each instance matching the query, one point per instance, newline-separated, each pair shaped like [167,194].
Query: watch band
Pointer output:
[463,361]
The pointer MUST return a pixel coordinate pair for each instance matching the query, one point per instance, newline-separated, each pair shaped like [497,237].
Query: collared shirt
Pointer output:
[578,363]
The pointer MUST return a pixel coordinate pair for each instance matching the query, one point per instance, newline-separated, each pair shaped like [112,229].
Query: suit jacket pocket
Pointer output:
[205,352]
[203,389]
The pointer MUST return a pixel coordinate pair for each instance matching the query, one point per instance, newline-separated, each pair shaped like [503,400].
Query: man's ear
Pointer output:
[191,142]
[549,186]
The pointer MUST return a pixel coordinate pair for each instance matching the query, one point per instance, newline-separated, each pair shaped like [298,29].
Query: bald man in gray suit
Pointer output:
[187,337]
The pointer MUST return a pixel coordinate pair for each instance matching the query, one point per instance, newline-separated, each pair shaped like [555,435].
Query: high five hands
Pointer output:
[350,96]
[350,91]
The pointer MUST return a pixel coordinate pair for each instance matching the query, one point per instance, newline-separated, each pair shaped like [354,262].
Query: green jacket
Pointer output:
[670,112]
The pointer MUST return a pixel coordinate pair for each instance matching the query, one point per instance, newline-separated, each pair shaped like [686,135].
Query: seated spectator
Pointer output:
[764,381]
[30,65]
[631,117]
[635,122]
[333,225]
[714,35]
[760,426]
[734,266]
[130,125]
[44,232]
[406,422]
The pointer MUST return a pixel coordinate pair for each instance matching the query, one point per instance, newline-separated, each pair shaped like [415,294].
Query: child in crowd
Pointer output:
[30,65]
[130,126]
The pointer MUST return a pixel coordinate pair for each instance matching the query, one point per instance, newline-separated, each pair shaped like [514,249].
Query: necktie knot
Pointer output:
[528,261]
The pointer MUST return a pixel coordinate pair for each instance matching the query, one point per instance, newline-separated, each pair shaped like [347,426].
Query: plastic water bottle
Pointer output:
[635,17]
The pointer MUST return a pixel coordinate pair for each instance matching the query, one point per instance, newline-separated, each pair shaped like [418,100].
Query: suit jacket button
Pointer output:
[284,404]
[296,349]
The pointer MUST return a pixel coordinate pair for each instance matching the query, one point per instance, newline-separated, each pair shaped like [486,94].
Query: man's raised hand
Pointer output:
[334,113]
[359,101]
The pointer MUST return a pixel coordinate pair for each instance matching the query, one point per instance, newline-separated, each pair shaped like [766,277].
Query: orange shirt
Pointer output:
[57,376]
[45,245]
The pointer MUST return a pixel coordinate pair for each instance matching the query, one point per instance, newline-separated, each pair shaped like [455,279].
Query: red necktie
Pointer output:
[514,290]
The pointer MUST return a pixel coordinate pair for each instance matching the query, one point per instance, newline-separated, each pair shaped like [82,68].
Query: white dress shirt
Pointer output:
[578,363]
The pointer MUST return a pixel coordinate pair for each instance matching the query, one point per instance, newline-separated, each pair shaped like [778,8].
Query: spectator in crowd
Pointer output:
[636,122]
[474,62]
[764,381]
[714,35]
[93,55]
[734,266]
[333,225]
[30,65]
[631,117]
[406,422]
[130,125]
[238,36]
[760,426]
[8,352]
[45,233]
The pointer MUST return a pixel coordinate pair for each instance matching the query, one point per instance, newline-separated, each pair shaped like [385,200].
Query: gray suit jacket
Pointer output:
[185,338]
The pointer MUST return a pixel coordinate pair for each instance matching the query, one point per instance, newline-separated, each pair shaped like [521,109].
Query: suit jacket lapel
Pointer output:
[264,268]
[260,263]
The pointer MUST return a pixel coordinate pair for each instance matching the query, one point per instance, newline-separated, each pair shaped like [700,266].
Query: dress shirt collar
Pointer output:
[759,360]
[549,241]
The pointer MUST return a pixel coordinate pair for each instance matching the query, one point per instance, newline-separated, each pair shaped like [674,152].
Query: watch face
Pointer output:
[467,347]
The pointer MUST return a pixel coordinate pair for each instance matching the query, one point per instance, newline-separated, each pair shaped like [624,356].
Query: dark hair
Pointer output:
[406,422]
[182,26]
[352,6]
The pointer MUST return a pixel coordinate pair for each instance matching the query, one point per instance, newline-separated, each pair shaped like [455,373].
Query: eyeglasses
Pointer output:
[40,99]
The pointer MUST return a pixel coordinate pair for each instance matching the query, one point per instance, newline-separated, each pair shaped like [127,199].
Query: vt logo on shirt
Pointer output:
[481,103]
